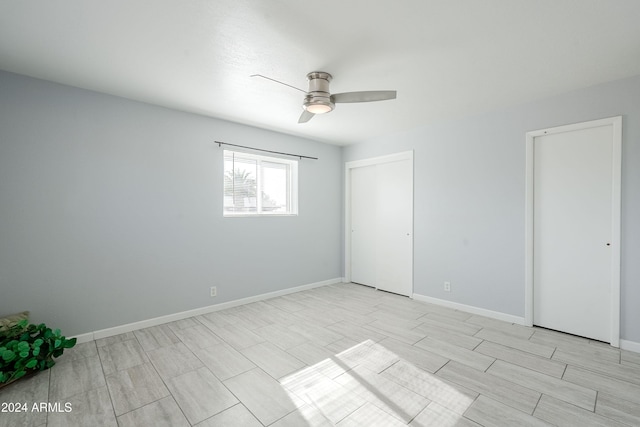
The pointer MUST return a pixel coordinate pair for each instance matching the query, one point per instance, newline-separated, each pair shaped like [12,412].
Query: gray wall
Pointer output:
[111,210]
[470,197]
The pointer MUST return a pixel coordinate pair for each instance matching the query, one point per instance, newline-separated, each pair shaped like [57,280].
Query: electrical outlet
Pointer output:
[447,286]
[214,291]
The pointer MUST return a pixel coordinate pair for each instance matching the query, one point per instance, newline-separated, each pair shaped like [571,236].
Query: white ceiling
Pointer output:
[445,58]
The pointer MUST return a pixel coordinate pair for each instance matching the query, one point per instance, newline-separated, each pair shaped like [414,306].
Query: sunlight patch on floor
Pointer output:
[368,384]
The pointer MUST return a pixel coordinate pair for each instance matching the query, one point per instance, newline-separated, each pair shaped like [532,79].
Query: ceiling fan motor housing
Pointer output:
[318,99]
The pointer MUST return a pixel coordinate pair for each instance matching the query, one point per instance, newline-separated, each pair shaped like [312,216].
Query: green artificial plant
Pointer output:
[26,348]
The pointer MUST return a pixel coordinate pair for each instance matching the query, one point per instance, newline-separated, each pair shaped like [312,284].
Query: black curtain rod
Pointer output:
[266,151]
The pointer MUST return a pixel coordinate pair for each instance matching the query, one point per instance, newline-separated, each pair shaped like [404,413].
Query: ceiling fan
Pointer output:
[319,100]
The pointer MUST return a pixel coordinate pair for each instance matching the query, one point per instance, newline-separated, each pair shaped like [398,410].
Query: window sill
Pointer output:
[255,215]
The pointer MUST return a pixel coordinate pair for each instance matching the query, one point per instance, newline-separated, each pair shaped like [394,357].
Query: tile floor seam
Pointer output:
[606,416]
[245,407]
[441,367]
[239,403]
[146,404]
[475,399]
[168,389]
[537,403]
[594,371]
[346,416]
[494,361]
[510,382]
[405,388]
[256,417]
[555,397]
[113,407]
[594,412]
[399,419]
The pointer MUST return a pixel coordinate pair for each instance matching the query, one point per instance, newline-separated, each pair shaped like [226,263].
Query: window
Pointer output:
[259,185]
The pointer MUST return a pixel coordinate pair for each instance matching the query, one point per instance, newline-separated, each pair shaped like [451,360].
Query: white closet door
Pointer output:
[573,232]
[382,226]
[395,227]
[364,225]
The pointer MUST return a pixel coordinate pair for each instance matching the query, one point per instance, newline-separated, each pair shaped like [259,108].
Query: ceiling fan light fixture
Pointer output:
[318,103]
[318,108]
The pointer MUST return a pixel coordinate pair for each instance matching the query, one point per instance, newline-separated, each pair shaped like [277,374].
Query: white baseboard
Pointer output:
[630,346]
[624,344]
[471,309]
[84,338]
[121,329]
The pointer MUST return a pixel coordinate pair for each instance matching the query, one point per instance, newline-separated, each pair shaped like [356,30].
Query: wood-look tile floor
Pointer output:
[343,355]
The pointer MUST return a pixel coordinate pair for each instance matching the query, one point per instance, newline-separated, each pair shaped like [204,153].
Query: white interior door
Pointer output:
[364,237]
[395,222]
[381,222]
[572,231]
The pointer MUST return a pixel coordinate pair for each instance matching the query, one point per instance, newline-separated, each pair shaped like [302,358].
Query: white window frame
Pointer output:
[292,190]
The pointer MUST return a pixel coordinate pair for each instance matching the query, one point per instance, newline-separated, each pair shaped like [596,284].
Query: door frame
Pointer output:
[616,124]
[405,155]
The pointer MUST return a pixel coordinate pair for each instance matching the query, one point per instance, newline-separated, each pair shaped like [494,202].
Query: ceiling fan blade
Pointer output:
[367,96]
[305,116]
[277,81]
